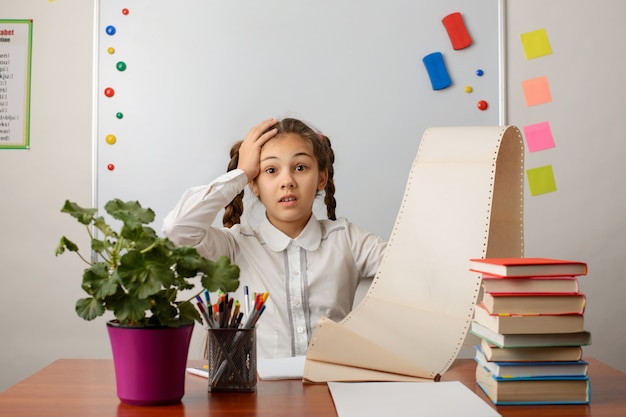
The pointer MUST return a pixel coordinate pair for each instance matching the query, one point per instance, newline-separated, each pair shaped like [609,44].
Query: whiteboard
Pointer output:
[189,77]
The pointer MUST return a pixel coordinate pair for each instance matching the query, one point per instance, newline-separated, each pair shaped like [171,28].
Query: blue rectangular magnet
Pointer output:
[437,71]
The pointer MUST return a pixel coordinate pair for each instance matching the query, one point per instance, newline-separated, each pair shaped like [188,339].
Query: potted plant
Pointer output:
[138,276]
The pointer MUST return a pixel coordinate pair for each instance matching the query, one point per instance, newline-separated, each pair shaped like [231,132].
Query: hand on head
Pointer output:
[250,149]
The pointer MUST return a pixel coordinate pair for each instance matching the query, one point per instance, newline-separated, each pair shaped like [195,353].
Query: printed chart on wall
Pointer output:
[15,60]
[179,81]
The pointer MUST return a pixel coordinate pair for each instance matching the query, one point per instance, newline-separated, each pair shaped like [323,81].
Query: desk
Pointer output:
[86,387]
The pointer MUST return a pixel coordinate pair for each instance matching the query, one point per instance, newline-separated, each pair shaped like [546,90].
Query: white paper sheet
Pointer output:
[407,399]
[280,368]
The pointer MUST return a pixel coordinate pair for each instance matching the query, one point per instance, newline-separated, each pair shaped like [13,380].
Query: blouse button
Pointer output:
[300,329]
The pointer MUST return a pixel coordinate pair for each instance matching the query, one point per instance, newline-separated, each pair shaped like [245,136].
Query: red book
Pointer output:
[528,267]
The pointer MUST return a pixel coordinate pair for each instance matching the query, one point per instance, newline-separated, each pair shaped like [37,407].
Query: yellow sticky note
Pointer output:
[541,180]
[536,91]
[536,44]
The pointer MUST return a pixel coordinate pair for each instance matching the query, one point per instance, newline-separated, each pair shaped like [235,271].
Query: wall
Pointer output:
[582,220]
[37,290]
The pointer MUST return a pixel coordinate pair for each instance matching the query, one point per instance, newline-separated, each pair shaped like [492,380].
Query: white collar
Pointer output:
[308,239]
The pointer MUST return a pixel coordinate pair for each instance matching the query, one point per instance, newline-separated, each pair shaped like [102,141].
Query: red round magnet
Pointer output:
[482,105]
[109,92]
[110,167]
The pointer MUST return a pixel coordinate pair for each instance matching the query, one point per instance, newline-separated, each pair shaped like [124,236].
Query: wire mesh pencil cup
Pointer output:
[232,360]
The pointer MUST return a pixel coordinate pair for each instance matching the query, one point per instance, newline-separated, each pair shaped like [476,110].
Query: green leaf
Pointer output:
[224,276]
[130,212]
[190,261]
[65,243]
[83,215]
[170,294]
[188,312]
[89,308]
[129,309]
[98,245]
[98,282]
[104,227]
[132,234]
[145,238]
[164,312]
[144,275]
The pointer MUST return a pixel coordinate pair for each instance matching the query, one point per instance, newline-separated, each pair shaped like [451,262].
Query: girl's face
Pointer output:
[288,182]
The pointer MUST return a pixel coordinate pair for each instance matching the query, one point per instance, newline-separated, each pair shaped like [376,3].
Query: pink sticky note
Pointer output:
[536,91]
[538,136]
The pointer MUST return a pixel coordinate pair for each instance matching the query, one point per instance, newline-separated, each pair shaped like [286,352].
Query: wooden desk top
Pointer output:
[86,387]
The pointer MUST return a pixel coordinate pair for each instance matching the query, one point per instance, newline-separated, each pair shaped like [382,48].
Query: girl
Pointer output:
[310,267]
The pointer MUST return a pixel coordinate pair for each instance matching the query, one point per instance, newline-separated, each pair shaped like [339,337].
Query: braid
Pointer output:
[329,191]
[234,210]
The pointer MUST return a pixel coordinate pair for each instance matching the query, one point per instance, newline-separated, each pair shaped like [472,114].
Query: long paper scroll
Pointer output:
[463,199]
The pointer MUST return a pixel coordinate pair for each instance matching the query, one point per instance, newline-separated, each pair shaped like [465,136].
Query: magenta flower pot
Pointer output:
[150,362]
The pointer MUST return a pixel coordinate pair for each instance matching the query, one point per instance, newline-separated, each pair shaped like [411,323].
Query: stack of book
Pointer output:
[530,320]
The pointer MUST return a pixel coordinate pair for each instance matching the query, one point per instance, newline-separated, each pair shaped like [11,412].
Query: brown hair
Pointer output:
[323,153]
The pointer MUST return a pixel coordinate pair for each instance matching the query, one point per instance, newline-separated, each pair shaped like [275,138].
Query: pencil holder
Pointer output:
[232,360]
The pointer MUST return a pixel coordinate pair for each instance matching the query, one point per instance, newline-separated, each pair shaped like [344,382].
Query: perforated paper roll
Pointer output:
[463,199]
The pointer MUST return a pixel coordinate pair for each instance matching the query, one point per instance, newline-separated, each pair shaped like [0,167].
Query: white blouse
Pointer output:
[314,275]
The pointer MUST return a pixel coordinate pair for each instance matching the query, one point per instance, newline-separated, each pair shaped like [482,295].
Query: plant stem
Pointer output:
[195,295]
[149,248]
[81,257]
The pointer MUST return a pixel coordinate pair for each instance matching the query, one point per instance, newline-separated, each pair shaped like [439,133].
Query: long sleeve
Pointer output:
[190,222]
